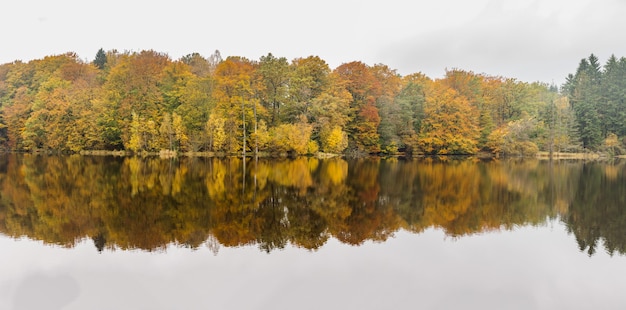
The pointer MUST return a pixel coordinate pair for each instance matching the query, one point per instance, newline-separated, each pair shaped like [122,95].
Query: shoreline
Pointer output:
[320,155]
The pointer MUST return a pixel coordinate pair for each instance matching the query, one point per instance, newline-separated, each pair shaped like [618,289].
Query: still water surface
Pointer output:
[130,233]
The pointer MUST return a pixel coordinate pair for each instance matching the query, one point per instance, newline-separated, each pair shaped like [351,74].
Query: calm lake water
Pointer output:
[205,233]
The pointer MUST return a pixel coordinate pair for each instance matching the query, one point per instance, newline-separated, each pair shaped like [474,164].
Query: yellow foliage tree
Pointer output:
[292,137]
[334,140]
[180,132]
[216,132]
[234,93]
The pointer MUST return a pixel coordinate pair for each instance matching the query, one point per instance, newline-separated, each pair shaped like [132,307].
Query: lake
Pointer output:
[81,232]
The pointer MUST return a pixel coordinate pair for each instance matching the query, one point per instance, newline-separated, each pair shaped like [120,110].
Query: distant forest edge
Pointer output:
[146,102]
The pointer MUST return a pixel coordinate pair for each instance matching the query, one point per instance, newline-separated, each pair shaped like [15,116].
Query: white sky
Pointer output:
[530,40]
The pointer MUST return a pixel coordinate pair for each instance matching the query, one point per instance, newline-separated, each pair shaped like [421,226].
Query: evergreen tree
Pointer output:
[101,59]
[613,102]
[585,98]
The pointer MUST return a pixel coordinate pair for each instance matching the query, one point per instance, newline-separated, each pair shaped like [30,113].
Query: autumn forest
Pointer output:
[147,102]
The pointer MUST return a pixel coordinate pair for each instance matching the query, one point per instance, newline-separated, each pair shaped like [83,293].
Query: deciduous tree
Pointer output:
[362,127]
[274,77]
[450,125]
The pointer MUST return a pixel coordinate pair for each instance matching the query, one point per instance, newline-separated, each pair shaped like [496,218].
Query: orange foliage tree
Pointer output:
[359,80]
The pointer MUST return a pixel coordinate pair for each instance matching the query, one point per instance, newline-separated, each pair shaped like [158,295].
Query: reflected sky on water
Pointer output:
[527,268]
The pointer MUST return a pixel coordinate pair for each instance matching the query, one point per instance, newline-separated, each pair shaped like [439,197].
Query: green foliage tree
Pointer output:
[196,105]
[101,59]
[411,102]
[391,122]
[584,95]
[613,102]
[274,78]
[173,85]
[310,77]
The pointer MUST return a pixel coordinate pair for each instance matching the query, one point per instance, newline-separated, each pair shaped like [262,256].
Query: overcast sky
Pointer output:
[530,40]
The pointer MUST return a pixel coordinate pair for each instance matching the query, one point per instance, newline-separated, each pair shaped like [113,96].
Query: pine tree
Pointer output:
[101,59]
[613,102]
[584,94]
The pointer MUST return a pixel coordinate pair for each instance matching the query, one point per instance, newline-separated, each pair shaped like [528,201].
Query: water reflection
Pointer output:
[136,203]
[53,292]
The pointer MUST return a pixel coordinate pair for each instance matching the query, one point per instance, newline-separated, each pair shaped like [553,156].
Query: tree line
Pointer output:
[146,102]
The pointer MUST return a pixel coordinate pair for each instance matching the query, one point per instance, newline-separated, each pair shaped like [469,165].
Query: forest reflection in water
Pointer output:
[151,203]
